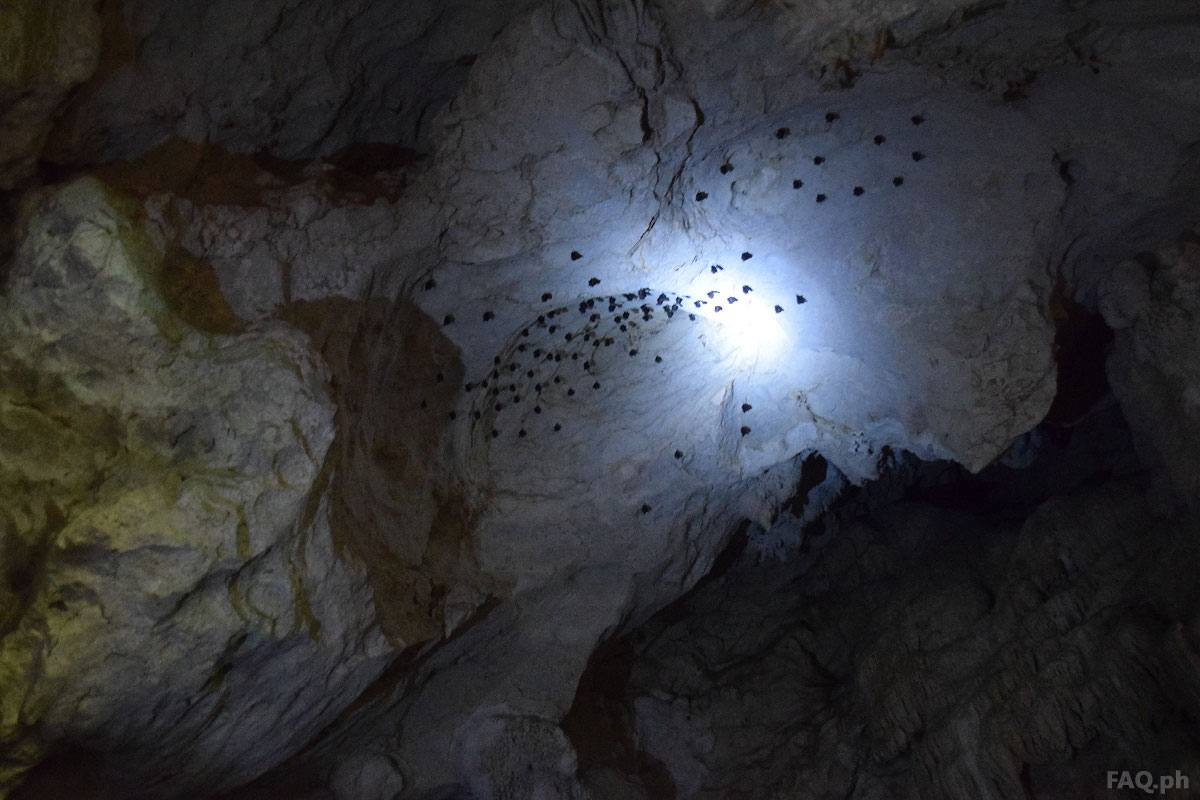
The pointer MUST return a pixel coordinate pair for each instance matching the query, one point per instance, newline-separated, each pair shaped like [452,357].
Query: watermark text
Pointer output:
[1148,782]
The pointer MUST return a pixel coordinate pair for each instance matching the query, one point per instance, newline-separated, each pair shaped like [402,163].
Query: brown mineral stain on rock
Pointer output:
[205,173]
[200,172]
[186,283]
[300,603]
[358,168]
[395,506]
[189,286]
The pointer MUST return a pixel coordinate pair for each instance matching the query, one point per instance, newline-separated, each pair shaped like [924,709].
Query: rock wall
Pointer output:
[1152,304]
[173,599]
[48,49]
[367,369]
[923,652]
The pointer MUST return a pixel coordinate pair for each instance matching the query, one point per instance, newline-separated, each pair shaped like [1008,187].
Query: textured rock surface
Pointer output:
[1154,305]
[47,47]
[293,79]
[172,598]
[391,357]
[923,651]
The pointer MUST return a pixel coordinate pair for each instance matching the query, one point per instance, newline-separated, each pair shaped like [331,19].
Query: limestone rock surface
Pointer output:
[369,365]
[172,600]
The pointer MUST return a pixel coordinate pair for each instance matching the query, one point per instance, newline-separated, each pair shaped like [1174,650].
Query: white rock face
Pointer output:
[451,423]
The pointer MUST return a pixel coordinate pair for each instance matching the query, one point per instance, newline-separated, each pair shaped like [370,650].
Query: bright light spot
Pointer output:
[753,329]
